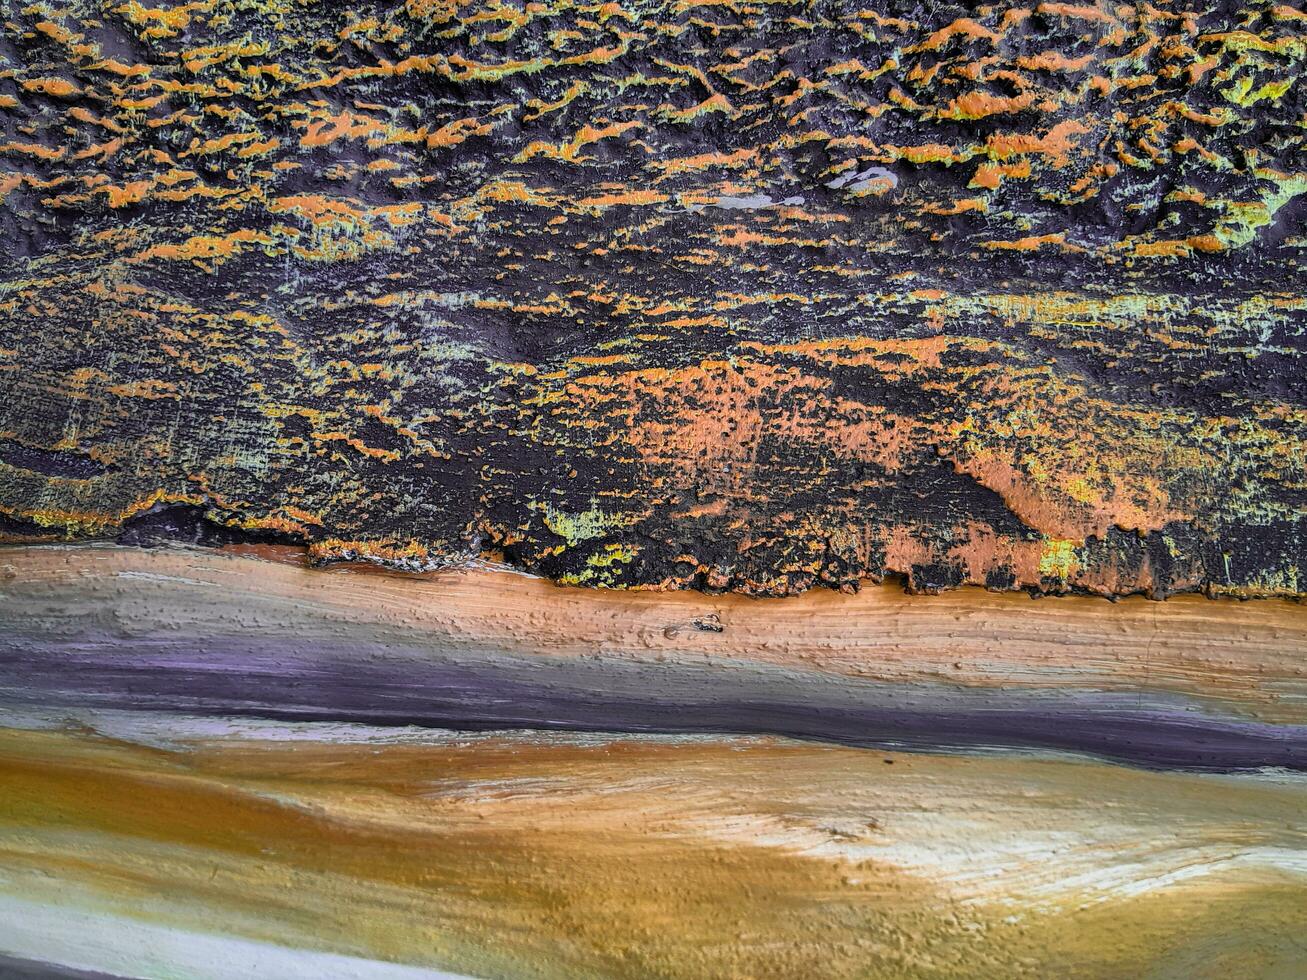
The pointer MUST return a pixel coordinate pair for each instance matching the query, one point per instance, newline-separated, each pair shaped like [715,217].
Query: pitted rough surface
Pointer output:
[719,294]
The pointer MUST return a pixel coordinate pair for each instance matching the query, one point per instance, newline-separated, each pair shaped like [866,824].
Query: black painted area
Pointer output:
[189,524]
[16,968]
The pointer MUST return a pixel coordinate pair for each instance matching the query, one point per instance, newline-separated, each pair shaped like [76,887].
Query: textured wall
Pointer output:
[718,294]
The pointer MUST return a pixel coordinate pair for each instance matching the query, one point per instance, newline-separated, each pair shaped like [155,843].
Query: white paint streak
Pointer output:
[755,202]
[863,180]
[84,940]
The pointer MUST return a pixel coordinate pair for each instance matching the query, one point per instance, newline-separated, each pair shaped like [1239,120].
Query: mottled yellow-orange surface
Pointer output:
[514,856]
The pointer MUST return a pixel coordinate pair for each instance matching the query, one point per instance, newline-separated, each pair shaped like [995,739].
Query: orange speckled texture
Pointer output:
[666,294]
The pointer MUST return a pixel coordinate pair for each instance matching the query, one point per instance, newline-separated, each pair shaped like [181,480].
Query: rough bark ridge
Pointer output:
[719,294]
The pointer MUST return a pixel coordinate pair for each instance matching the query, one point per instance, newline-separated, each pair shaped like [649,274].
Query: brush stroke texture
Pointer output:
[526,856]
[1207,685]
